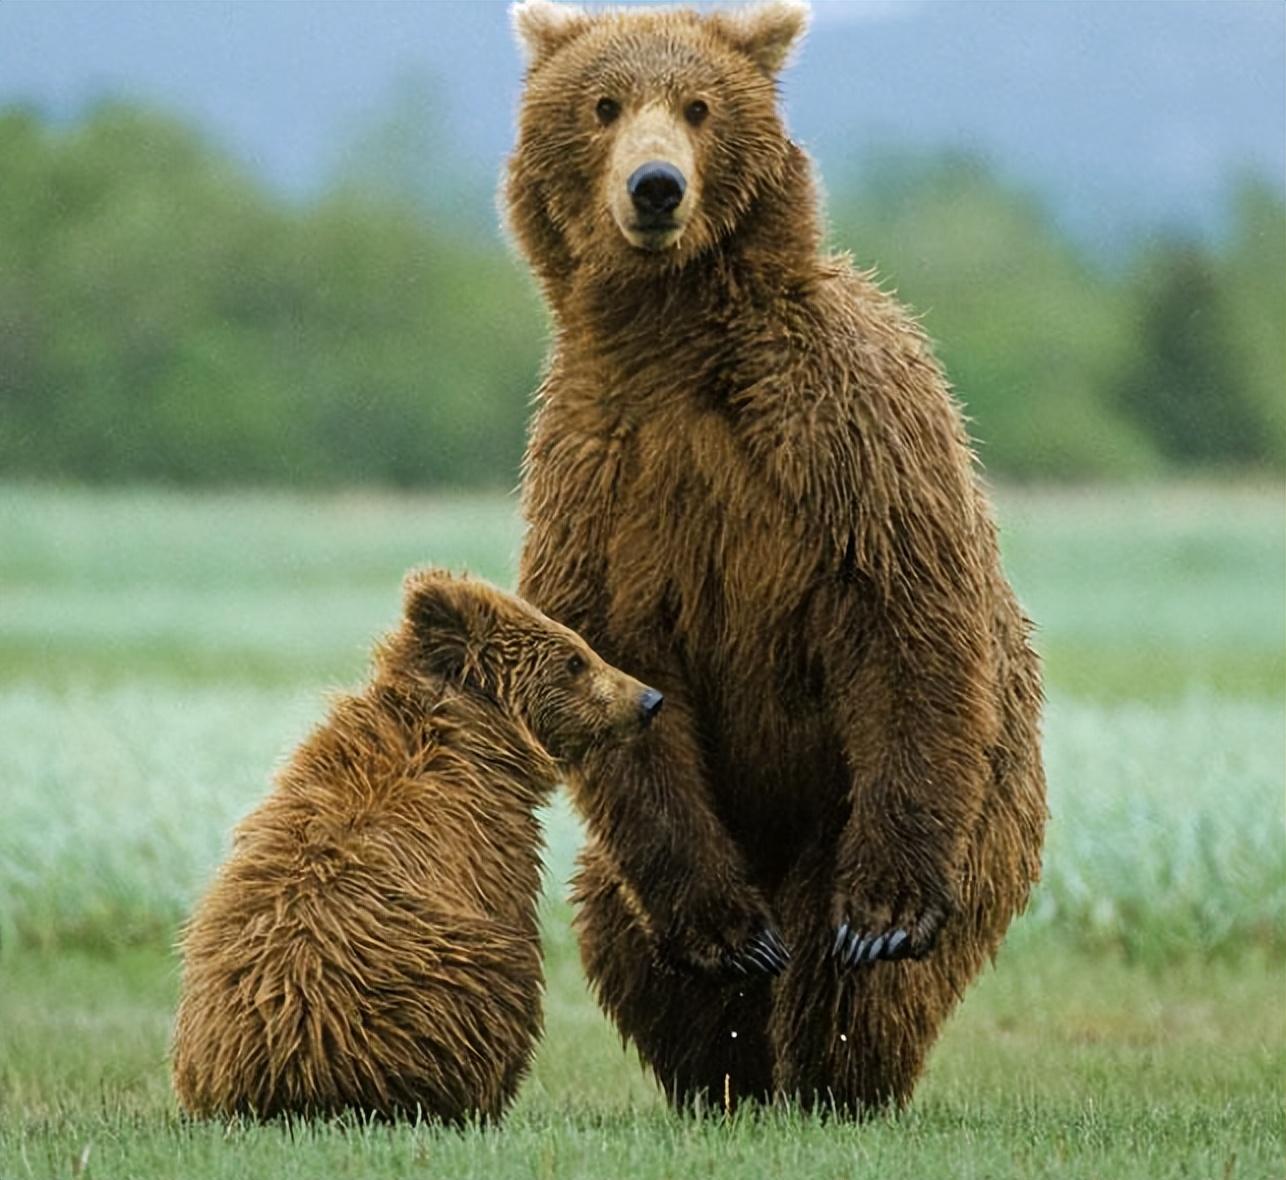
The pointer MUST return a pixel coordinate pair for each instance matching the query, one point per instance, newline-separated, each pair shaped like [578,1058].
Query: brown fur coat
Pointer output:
[748,482]
[372,944]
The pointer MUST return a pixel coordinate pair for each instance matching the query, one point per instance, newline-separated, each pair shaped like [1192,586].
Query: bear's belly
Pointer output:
[774,761]
[736,587]
[710,574]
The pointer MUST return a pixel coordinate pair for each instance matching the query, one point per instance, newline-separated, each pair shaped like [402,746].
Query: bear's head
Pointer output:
[648,136]
[508,654]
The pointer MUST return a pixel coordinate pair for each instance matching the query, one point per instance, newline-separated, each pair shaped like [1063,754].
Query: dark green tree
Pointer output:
[1031,334]
[1252,273]
[1182,382]
[163,318]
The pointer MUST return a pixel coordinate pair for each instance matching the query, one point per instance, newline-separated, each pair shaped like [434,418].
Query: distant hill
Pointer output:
[1122,115]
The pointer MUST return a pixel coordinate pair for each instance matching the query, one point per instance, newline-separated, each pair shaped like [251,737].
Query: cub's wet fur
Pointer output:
[371,944]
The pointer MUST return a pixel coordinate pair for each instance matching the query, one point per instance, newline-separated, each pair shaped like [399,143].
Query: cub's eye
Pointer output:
[575,665]
[695,112]
[607,110]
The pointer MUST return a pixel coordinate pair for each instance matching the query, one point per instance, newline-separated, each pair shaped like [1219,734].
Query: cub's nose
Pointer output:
[650,704]
[656,188]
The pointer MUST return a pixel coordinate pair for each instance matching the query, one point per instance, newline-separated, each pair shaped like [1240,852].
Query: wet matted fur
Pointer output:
[749,483]
[371,943]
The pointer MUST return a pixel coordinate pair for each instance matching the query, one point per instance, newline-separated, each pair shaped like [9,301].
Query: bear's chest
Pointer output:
[714,573]
[701,571]
[702,545]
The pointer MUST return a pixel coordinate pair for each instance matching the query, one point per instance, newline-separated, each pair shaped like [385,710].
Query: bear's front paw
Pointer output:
[763,953]
[739,944]
[869,927]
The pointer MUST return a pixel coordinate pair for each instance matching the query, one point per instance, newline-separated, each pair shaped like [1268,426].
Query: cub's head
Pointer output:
[508,653]
[645,135]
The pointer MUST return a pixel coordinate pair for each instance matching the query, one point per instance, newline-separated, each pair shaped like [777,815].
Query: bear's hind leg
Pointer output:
[848,1040]
[704,1039]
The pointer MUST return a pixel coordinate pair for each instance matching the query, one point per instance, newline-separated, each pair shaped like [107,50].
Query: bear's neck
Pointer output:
[774,254]
[474,725]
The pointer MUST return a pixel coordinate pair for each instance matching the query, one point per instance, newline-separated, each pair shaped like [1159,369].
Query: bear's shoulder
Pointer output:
[845,359]
[853,318]
[853,406]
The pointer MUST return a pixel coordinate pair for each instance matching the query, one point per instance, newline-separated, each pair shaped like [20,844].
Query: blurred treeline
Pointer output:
[165,318]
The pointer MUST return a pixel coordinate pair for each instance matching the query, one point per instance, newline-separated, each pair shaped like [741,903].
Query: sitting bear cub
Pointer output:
[372,942]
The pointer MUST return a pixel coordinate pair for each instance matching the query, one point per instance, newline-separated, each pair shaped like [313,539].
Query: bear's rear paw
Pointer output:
[868,934]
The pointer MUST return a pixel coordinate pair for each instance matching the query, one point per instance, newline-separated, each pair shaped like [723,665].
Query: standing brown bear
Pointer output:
[372,942]
[748,482]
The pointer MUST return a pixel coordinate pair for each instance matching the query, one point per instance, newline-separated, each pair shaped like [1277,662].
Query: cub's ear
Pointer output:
[447,618]
[543,27]
[765,33]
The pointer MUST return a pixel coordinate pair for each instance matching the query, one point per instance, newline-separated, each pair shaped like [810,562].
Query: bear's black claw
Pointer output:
[856,945]
[852,949]
[850,938]
[732,963]
[780,951]
[768,948]
[757,956]
[764,954]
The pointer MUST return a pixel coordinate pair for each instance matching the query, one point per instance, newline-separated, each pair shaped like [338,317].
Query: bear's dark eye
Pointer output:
[607,110]
[695,112]
[575,665]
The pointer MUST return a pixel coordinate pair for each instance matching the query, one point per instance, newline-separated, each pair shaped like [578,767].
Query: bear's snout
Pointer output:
[650,703]
[657,189]
[653,183]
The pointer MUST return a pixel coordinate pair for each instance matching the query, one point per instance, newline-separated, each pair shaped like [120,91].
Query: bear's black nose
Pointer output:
[650,704]
[656,188]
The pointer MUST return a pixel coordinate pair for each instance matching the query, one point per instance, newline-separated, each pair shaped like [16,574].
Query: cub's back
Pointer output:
[363,947]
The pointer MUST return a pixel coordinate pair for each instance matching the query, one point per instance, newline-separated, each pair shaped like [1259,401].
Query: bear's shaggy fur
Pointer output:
[748,482]
[371,944]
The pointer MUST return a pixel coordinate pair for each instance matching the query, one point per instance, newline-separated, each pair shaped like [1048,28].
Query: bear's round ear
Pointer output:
[444,614]
[432,601]
[543,27]
[765,33]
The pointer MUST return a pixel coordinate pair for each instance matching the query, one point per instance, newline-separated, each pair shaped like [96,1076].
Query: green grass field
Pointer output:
[160,652]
